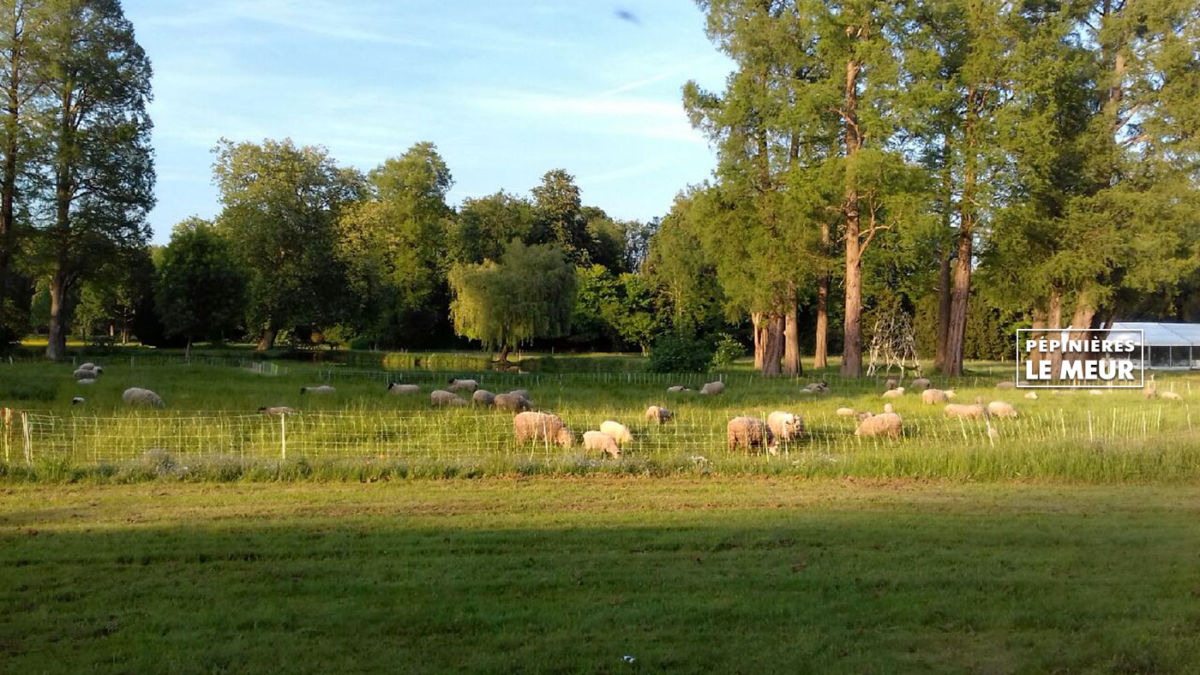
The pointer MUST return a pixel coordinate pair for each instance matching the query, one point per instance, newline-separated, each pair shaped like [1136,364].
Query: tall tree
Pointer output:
[560,215]
[486,224]
[101,163]
[201,291]
[281,203]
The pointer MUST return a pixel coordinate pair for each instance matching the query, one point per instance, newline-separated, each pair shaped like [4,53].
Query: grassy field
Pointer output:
[556,575]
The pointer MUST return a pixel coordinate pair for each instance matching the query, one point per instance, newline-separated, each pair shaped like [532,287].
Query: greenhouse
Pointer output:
[1167,345]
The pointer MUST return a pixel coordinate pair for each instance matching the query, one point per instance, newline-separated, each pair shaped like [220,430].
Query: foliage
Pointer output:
[727,350]
[201,289]
[675,353]
[485,224]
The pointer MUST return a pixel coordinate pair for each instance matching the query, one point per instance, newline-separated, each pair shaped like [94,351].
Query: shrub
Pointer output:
[678,354]
[728,349]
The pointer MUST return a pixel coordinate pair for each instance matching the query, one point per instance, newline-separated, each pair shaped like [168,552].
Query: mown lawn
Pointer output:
[746,575]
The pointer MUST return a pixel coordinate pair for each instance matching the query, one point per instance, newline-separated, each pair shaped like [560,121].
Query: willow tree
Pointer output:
[529,293]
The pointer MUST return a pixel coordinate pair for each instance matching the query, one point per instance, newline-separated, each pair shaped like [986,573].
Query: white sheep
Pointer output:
[713,388]
[920,384]
[785,425]
[320,389]
[658,415]
[523,393]
[539,426]
[511,402]
[483,397]
[86,380]
[887,423]
[598,440]
[277,410]
[674,389]
[77,400]
[973,411]
[816,388]
[619,432]
[846,412]
[440,397]
[462,385]
[1171,396]
[896,392]
[397,389]
[89,365]
[139,396]
[82,373]
[750,433]
[1001,409]
[931,396]
[1032,396]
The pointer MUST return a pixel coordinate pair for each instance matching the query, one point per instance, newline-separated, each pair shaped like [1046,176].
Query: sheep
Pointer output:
[619,432]
[540,426]
[894,393]
[511,402]
[1001,409]
[892,383]
[1171,396]
[1006,385]
[674,389]
[973,411]
[87,366]
[598,440]
[523,393]
[397,389]
[1032,396]
[658,415]
[749,432]
[277,410]
[86,380]
[1151,389]
[77,400]
[920,384]
[713,388]
[846,412]
[483,397]
[85,374]
[139,396]
[864,415]
[887,423]
[98,369]
[931,396]
[462,385]
[321,389]
[817,387]
[440,397]
[785,426]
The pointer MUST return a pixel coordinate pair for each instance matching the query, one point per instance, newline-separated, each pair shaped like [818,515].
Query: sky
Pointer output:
[507,90]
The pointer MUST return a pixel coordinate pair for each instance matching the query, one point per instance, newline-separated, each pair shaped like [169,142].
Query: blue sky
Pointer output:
[507,91]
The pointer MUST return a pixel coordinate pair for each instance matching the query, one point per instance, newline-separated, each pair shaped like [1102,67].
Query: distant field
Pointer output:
[726,575]
[210,427]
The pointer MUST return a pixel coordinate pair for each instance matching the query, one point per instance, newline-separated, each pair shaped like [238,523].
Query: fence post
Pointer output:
[283,437]
[28,439]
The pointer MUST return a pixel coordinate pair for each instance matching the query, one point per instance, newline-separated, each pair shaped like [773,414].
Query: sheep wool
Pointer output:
[277,410]
[82,373]
[887,423]
[1171,396]
[1001,409]
[658,415]
[540,426]
[397,389]
[973,411]
[619,432]
[320,389]
[846,412]
[598,440]
[713,388]
[749,433]
[462,385]
[523,393]
[785,426]
[1006,385]
[511,402]
[440,397]
[483,397]
[676,388]
[894,393]
[1031,396]
[139,396]
[931,396]
[921,384]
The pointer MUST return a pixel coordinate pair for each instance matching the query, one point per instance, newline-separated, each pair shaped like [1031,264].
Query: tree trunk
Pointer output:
[60,317]
[956,327]
[760,342]
[821,353]
[852,338]
[267,340]
[503,357]
[8,180]
[943,314]
[791,349]
[1038,325]
[773,349]
[1054,322]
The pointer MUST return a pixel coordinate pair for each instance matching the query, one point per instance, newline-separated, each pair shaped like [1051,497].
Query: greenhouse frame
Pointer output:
[1168,345]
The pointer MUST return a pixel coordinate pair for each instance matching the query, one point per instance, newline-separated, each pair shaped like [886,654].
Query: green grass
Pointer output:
[744,575]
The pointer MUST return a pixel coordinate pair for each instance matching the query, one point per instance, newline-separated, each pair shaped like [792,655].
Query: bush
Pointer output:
[728,350]
[678,354]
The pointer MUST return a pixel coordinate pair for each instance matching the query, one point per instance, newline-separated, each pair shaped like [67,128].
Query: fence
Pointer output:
[472,434]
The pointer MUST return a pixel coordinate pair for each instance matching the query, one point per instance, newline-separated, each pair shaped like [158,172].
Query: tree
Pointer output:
[529,293]
[485,224]
[101,164]
[281,204]
[394,245]
[560,216]
[201,291]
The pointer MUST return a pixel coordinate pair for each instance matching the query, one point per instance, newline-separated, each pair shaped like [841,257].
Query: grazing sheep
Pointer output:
[523,393]
[1031,395]
[398,389]
[619,432]
[817,387]
[98,369]
[658,415]
[77,400]
[894,393]
[598,440]
[785,426]
[749,433]
[511,402]
[887,423]
[1171,396]
[846,412]
[674,389]
[931,396]
[89,366]
[713,388]
[86,380]
[540,426]
[440,397]
[863,415]
[462,385]
[277,410]
[483,397]
[139,396]
[973,411]
[1006,385]
[892,383]
[319,389]
[1001,409]
[920,384]
[85,374]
